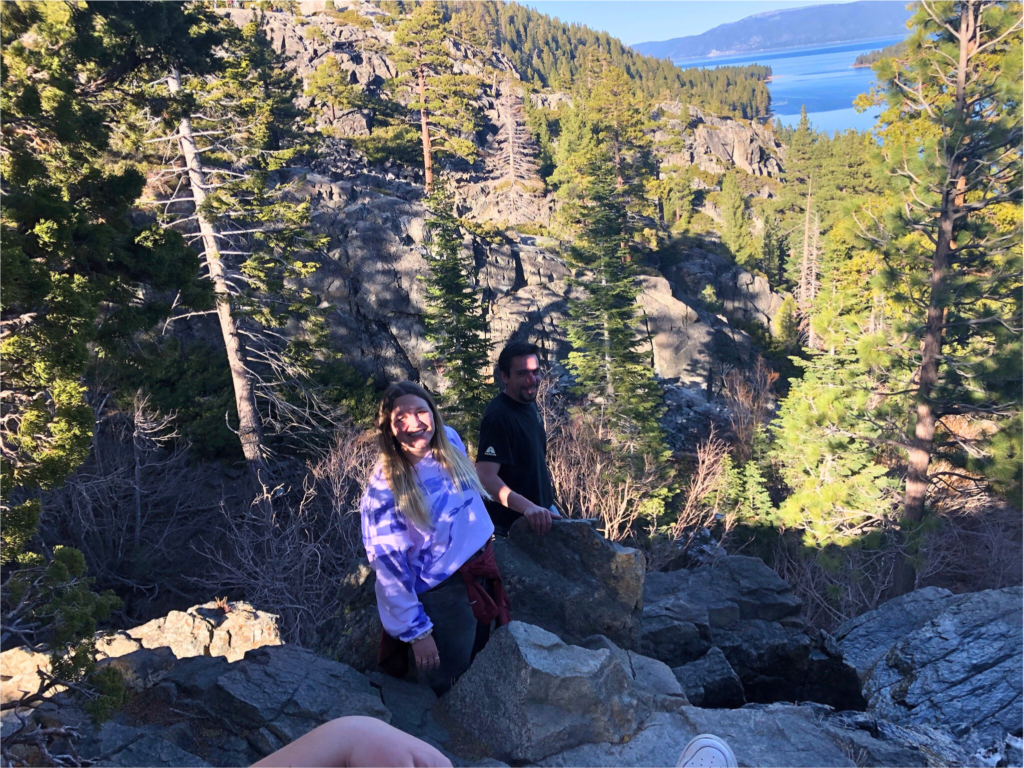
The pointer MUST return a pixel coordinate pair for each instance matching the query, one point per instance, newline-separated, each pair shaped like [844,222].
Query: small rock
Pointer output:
[710,682]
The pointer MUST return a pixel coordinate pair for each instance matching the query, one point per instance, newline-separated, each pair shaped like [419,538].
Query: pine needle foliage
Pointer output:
[456,324]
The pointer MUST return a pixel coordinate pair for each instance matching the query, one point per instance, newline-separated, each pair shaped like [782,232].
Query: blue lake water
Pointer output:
[820,77]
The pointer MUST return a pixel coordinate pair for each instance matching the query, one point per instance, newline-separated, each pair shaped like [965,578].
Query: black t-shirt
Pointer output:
[512,434]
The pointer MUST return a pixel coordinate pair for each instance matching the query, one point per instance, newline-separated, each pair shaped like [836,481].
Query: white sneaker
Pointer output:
[706,751]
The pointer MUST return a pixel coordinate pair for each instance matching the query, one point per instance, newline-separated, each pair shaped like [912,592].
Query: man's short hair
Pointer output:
[515,349]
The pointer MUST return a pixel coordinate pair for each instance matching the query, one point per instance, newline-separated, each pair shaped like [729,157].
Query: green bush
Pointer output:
[400,143]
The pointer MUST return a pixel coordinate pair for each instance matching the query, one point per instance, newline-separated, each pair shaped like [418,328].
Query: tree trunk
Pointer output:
[805,291]
[922,444]
[250,429]
[607,339]
[428,169]
[617,159]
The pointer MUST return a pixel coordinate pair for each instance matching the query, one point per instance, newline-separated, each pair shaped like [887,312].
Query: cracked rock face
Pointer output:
[934,658]
[207,710]
[740,606]
[714,143]
[770,735]
[373,216]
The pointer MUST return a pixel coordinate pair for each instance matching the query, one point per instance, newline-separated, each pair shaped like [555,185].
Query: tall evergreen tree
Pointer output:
[79,277]
[736,222]
[443,99]
[455,321]
[951,142]
[610,359]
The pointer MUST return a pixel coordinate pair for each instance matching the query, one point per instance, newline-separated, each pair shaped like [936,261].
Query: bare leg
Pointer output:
[351,742]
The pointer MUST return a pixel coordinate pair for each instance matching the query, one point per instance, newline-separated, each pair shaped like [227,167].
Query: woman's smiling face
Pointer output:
[412,423]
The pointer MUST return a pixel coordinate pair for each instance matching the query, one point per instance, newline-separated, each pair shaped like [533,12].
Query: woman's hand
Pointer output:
[425,651]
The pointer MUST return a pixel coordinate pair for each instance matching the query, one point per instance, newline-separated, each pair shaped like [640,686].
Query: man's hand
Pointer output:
[425,651]
[538,518]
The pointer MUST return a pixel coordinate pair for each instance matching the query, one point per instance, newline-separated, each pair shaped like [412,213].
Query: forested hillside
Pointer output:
[225,230]
[552,54]
[868,59]
[788,28]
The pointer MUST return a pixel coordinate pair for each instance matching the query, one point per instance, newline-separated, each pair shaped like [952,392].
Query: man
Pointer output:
[512,453]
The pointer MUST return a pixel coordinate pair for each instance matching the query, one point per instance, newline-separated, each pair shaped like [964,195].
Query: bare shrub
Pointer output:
[839,584]
[974,543]
[749,394]
[699,508]
[133,507]
[592,478]
[293,563]
[977,545]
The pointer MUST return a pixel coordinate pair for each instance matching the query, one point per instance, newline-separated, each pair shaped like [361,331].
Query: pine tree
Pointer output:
[772,260]
[674,192]
[787,325]
[455,321]
[330,85]
[610,359]
[736,223]
[443,99]
[79,277]
[951,143]
[511,158]
[231,122]
[616,111]
[840,491]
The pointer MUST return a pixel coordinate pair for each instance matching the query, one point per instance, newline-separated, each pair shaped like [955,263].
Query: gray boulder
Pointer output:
[653,681]
[290,690]
[142,668]
[529,695]
[115,744]
[742,607]
[710,682]
[353,637]
[244,710]
[943,659]
[573,582]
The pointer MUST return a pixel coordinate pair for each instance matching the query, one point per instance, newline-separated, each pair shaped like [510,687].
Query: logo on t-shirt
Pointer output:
[490,451]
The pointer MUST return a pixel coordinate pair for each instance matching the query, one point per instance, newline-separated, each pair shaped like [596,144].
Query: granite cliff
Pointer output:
[374,216]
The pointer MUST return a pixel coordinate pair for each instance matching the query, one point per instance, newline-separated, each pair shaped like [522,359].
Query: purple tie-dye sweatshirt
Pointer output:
[409,560]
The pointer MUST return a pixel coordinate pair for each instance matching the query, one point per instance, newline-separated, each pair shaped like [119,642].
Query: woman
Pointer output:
[428,537]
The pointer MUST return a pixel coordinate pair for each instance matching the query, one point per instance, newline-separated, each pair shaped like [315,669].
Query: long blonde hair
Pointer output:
[400,474]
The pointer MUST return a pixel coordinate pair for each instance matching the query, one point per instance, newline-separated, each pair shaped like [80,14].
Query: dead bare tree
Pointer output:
[807,287]
[750,398]
[512,156]
[250,428]
[846,584]
[593,479]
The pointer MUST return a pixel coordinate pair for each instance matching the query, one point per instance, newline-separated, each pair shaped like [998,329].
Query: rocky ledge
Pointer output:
[604,665]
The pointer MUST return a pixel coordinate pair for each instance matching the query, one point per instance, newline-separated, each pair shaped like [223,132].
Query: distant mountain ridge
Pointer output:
[788,28]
